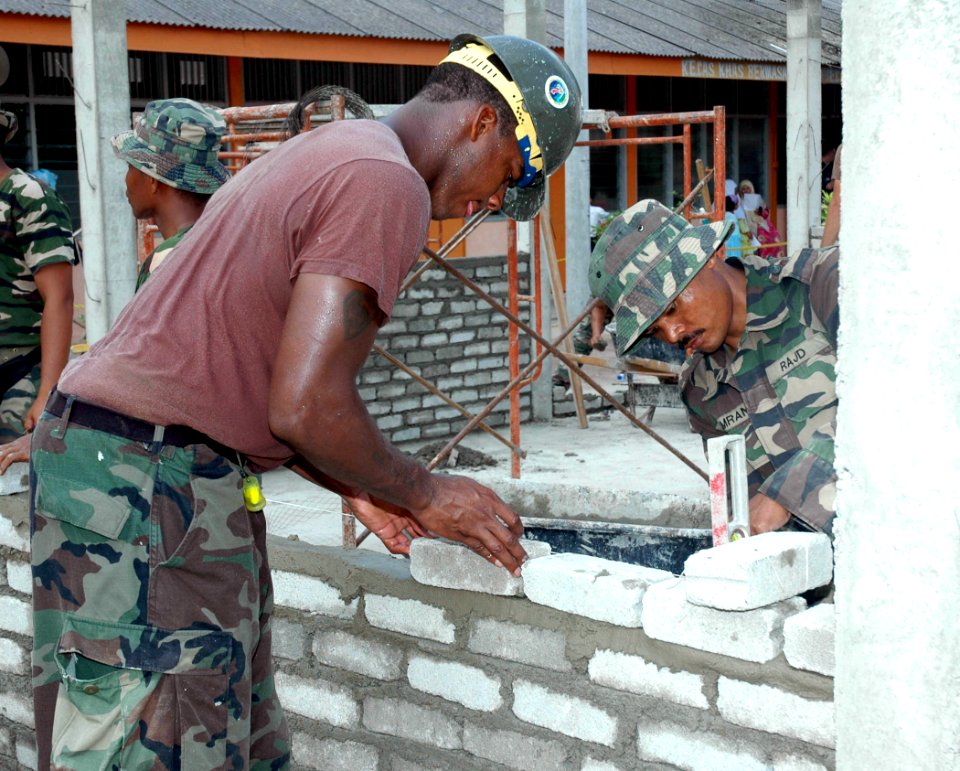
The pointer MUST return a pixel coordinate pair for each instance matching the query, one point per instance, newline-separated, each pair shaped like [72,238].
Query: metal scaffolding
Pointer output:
[253,131]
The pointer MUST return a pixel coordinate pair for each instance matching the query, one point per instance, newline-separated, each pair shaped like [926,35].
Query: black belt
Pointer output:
[118,424]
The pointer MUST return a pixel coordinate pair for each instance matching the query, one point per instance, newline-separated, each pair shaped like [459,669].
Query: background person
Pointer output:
[173,170]
[37,255]
[761,338]
[831,227]
[270,305]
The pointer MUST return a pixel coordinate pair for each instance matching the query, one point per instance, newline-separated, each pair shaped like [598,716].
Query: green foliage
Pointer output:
[825,198]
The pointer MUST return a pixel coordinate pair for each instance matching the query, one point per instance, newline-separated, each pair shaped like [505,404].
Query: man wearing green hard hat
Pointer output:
[269,307]
[761,342]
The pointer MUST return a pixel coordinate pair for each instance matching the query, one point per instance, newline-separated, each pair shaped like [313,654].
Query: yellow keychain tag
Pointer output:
[253,494]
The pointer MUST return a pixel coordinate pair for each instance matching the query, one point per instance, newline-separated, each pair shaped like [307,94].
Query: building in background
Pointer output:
[655,56]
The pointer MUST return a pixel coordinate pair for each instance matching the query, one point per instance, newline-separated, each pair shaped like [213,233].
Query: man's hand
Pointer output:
[17,450]
[390,524]
[33,415]
[465,511]
[766,514]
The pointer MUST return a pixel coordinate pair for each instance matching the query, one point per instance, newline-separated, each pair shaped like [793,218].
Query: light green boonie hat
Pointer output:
[176,141]
[645,258]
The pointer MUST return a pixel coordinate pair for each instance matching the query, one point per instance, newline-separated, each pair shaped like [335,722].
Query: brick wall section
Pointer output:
[452,338]
[378,672]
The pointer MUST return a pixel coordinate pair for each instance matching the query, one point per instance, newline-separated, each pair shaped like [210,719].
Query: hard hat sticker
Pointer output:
[557,92]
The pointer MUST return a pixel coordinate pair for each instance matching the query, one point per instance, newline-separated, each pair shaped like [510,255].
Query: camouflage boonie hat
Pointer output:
[644,260]
[176,141]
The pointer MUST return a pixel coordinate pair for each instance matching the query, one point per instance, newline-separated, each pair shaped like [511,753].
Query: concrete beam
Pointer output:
[102,106]
[528,18]
[577,167]
[803,121]
[897,454]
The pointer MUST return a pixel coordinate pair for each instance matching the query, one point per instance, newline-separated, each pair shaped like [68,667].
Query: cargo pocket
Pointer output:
[130,695]
[92,480]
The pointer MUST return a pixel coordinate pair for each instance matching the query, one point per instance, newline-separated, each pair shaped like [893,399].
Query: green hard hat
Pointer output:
[549,99]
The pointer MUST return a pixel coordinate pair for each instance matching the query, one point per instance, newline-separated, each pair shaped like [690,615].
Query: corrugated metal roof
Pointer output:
[748,30]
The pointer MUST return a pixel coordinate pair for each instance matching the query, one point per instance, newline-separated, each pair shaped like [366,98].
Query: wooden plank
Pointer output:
[651,367]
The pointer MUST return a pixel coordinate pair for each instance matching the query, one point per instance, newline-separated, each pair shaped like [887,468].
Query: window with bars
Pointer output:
[52,71]
[196,76]
[268,81]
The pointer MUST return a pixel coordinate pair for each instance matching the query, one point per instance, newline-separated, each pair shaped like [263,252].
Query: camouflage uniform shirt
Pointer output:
[778,388]
[158,255]
[35,231]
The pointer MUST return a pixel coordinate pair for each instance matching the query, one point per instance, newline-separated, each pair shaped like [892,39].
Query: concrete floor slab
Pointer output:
[610,468]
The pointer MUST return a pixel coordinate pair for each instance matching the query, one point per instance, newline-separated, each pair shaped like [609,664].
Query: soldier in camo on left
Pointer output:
[761,338]
[37,256]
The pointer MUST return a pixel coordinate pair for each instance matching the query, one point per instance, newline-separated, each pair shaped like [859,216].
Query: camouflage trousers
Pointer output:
[15,403]
[151,608]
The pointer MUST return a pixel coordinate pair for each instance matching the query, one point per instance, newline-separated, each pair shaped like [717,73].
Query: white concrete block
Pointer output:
[333,755]
[16,479]
[454,566]
[17,706]
[775,711]
[564,714]
[544,648]
[15,536]
[410,617]
[16,615]
[695,750]
[358,654]
[26,753]
[636,675]
[601,589]
[402,764]
[591,764]
[292,590]
[453,681]
[758,571]
[515,750]
[20,576]
[318,700]
[13,658]
[288,639]
[796,763]
[752,635]
[808,639]
[411,721]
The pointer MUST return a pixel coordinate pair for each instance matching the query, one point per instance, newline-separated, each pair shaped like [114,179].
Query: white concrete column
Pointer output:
[898,446]
[577,167]
[102,103]
[803,121]
[527,18]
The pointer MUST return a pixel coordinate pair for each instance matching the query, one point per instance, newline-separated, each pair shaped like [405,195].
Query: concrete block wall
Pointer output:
[452,338]
[378,672]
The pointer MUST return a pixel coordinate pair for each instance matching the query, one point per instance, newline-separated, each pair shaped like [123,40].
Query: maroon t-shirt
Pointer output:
[197,345]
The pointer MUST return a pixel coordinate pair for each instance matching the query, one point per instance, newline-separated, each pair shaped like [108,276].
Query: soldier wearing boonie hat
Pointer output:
[174,142]
[645,258]
[761,336]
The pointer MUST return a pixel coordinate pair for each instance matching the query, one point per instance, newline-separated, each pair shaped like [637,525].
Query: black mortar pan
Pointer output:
[665,548]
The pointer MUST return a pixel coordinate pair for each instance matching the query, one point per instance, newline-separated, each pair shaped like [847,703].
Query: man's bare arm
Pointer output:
[315,409]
